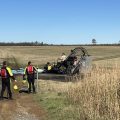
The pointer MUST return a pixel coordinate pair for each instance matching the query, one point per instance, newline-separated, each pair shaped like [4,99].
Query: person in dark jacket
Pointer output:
[30,72]
[6,74]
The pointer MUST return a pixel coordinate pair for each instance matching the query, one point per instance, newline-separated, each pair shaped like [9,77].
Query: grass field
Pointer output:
[39,55]
[96,97]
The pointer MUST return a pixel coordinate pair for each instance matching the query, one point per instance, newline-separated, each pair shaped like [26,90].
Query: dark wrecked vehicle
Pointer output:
[78,61]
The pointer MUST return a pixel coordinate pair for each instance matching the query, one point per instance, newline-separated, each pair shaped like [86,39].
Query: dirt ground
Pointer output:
[22,107]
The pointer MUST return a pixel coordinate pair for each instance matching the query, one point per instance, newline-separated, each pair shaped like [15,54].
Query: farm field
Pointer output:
[95,97]
[39,55]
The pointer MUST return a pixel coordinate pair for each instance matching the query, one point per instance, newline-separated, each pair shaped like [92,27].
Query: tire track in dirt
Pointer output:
[22,108]
[6,109]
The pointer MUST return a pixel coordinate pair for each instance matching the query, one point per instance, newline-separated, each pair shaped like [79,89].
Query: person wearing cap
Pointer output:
[30,72]
[6,74]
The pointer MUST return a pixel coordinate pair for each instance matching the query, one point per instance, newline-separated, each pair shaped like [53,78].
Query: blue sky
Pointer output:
[60,21]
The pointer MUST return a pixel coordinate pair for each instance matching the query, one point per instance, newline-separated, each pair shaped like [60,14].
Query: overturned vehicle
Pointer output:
[78,61]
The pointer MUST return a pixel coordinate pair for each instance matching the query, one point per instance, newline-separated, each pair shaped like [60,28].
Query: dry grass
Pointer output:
[54,86]
[39,55]
[98,95]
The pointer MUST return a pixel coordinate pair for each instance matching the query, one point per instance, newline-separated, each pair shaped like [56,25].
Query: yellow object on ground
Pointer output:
[15,87]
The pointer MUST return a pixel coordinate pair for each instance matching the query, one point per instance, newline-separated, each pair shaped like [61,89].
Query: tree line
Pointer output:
[23,44]
[36,43]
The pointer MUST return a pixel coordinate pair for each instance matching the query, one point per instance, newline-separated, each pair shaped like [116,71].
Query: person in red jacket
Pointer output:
[6,74]
[30,72]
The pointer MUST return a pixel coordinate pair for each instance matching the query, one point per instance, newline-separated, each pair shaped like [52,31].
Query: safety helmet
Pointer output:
[15,87]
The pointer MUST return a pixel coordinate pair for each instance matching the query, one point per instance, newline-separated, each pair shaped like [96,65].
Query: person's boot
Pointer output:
[29,91]
[34,91]
[10,97]
[1,98]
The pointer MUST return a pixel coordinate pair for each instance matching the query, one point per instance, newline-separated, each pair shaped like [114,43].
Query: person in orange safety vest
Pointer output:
[30,72]
[6,74]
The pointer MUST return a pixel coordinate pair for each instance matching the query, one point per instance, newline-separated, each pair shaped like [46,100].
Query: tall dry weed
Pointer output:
[97,96]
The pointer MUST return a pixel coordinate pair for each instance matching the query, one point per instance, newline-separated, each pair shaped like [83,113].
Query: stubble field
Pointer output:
[39,55]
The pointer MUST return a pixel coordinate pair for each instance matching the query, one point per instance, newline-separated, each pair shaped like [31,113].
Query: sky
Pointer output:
[60,21]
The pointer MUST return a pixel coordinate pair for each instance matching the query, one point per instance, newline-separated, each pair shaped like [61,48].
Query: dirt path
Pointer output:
[23,107]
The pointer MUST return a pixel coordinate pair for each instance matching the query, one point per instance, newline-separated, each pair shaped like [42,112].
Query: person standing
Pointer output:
[63,57]
[6,74]
[30,72]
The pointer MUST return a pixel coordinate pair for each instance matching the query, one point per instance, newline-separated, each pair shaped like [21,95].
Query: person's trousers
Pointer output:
[6,84]
[31,81]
